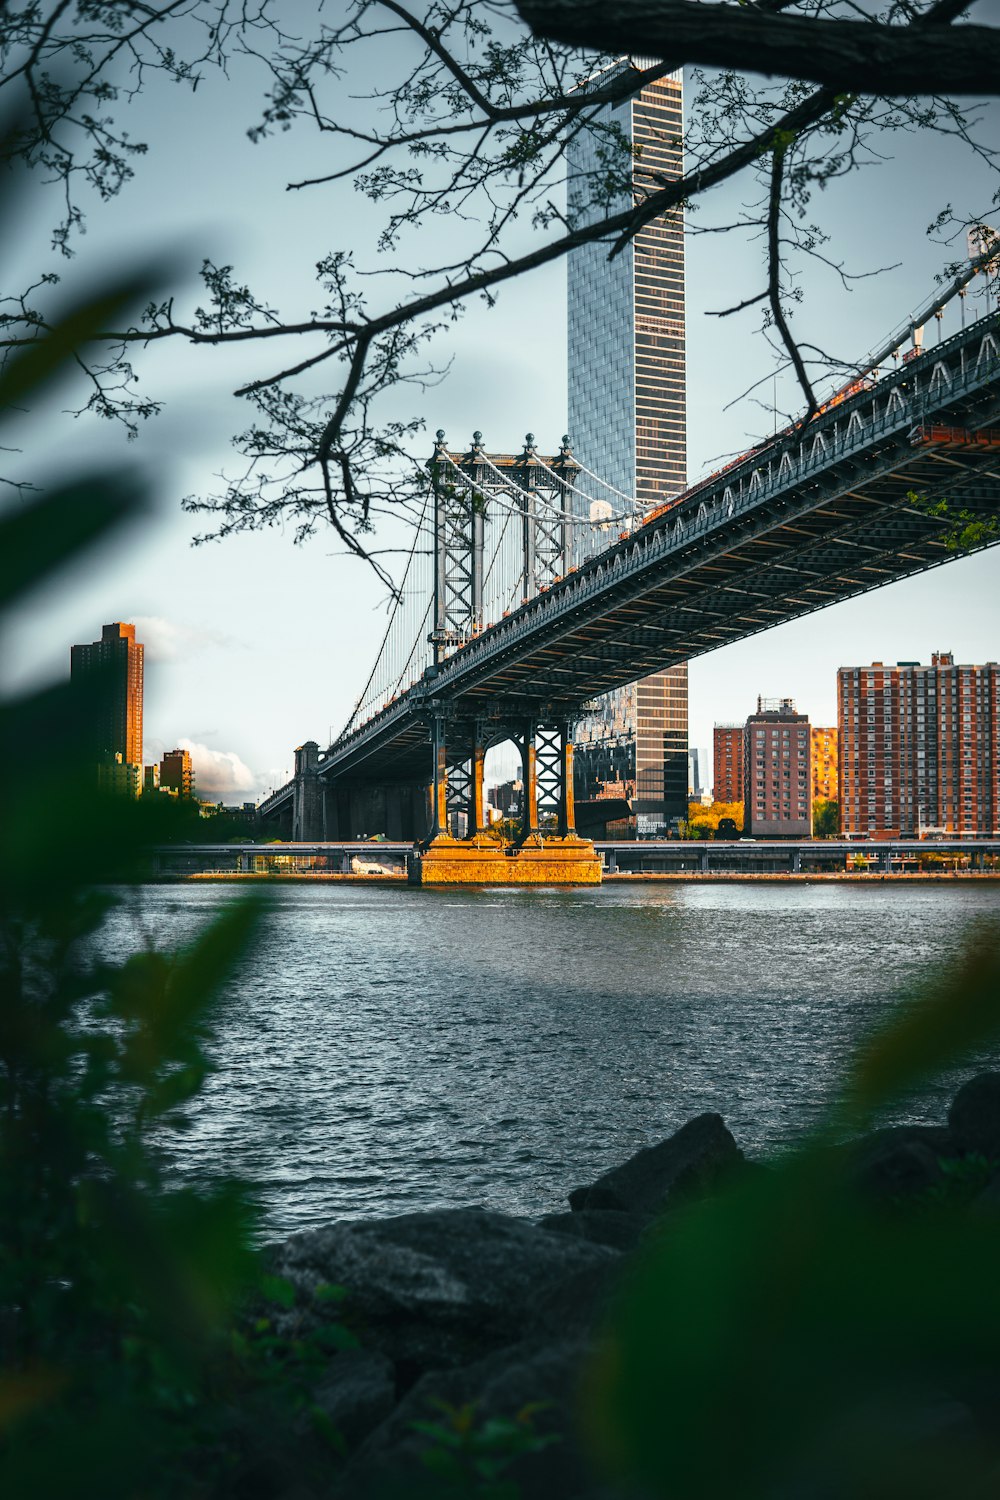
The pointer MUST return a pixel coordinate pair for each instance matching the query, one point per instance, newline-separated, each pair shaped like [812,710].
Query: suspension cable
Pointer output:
[392,618]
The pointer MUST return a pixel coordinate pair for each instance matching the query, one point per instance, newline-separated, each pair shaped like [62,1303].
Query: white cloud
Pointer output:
[169,640]
[219,774]
[222,776]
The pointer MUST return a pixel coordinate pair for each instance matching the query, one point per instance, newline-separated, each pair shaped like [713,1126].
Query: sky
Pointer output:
[255,644]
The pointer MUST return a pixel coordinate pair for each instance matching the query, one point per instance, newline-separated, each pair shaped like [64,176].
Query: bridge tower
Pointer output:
[546,848]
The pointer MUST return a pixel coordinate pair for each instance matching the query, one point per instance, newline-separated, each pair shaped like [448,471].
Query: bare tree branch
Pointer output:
[860,57]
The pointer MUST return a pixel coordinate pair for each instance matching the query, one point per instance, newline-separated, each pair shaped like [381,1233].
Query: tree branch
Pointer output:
[860,57]
[774,279]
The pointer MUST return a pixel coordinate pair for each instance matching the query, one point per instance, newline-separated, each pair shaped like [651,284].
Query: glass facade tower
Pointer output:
[627,422]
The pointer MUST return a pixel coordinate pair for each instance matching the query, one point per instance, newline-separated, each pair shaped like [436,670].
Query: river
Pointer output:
[388,1050]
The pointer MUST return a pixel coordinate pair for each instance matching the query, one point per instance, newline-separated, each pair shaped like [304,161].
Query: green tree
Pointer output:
[826,818]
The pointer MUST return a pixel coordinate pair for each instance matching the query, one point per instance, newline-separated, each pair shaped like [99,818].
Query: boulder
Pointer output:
[600,1226]
[974,1116]
[898,1169]
[434,1290]
[356,1393]
[696,1159]
[499,1388]
[900,1161]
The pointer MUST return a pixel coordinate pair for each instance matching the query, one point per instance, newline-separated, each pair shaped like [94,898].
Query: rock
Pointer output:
[499,1386]
[696,1159]
[600,1226]
[974,1116]
[356,1393]
[898,1169]
[987,1202]
[438,1289]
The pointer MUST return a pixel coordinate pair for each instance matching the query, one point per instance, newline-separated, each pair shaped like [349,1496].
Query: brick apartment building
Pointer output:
[919,747]
[825,775]
[727,762]
[777,780]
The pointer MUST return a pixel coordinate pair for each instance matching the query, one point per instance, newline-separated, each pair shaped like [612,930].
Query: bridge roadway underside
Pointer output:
[852,531]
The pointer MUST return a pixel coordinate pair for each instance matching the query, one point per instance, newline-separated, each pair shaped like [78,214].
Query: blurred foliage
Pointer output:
[466,1458]
[793,1340]
[132,1363]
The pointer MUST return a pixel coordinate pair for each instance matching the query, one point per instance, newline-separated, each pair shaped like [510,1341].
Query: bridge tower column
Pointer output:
[308,811]
[477,802]
[567,806]
[529,780]
[439,787]
[459,522]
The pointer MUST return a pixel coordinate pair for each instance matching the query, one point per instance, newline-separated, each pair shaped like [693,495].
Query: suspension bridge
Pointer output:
[532,586]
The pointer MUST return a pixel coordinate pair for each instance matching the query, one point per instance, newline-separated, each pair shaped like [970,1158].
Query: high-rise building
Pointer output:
[777,785]
[627,414]
[824,764]
[106,677]
[699,786]
[919,747]
[176,773]
[727,762]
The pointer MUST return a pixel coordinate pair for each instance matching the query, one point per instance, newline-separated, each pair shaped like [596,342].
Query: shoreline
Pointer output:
[718,877]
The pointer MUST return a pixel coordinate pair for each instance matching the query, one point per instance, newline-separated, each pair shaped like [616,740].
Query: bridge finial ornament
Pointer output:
[440,434]
[529,440]
[477,439]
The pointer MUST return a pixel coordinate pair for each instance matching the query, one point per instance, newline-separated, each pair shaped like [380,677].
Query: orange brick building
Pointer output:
[824,764]
[919,747]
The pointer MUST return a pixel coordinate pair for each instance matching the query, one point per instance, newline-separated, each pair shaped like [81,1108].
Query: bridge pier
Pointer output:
[537,857]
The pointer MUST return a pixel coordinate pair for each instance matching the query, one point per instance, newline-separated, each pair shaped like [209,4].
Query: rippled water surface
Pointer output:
[394,1049]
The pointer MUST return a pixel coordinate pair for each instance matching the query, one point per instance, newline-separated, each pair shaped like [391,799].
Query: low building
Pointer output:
[777,785]
[177,773]
[118,777]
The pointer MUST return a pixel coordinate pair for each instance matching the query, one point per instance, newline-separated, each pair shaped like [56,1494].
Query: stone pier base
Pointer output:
[555,861]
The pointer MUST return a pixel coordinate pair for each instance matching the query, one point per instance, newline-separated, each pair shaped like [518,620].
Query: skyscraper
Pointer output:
[107,680]
[627,413]
[919,747]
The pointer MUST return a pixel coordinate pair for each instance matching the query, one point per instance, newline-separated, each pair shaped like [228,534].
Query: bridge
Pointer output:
[532,587]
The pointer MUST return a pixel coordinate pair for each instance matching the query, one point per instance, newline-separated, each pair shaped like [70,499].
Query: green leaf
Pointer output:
[277,1289]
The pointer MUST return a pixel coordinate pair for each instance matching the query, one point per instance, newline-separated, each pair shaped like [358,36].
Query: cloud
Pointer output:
[168,640]
[219,774]
[222,776]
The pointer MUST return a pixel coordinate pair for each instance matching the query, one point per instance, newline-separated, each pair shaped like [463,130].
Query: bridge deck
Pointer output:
[820,514]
